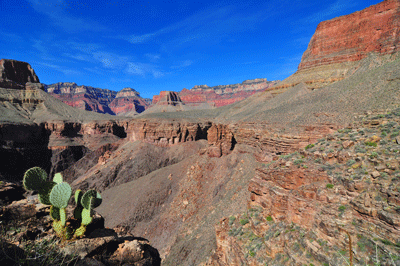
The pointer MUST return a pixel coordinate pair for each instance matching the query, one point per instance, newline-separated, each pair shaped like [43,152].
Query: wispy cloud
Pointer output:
[212,24]
[64,70]
[55,10]
[332,10]
[182,64]
[153,57]
[141,69]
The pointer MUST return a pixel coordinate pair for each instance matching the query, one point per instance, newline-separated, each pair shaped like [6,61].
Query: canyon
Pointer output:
[289,175]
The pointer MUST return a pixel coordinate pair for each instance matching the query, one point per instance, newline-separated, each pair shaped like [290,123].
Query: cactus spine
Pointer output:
[57,194]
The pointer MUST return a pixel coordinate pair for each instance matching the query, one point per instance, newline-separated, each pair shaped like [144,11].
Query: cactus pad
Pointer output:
[55,213]
[63,216]
[58,178]
[78,197]
[86,216]
[44,192]
[34,178]
[60,194]
[91,199]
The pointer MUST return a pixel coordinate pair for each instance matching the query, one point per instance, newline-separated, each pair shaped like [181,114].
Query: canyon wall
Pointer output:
[206,97]
[352,37]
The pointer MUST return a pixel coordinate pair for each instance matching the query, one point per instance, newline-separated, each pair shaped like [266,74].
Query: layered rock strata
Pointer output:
[352,37]
[205,97]
[338,44]
[83,97]
[129,102]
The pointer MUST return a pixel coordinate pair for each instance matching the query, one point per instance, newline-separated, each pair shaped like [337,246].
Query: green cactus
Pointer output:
[86,216]
[44,192]
[60,195]
[58,178]
[78,197]
[91,199]
[55,213]
[63,216]
[34,178]
[57,194]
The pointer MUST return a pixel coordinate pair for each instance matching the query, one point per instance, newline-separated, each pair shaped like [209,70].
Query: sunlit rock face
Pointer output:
[353,37]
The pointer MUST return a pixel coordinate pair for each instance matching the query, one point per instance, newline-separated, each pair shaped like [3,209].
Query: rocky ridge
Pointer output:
[205,97]
[99,100]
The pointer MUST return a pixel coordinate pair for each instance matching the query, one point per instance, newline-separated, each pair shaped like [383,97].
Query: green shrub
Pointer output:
[329,185]
[309,146]
[370,143]
[269,219]
[244,221]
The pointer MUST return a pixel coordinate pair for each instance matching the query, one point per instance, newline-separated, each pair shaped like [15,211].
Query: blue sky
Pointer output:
[162,45]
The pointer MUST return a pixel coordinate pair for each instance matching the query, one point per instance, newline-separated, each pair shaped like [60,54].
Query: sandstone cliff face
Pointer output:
[339,44]
[353,37]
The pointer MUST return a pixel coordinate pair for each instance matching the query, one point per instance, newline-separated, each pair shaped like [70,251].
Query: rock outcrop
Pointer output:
[128,102]
[352,37]
[339,44]
[167,101]
[16,74]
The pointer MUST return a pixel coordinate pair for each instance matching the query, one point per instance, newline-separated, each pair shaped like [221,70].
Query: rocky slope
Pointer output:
[334,201]
[82,97]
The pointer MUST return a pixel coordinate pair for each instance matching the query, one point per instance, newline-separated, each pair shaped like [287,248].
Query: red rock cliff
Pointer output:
[353,37]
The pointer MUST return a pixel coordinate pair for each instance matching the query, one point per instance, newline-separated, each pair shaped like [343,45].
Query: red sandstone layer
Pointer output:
[352,37]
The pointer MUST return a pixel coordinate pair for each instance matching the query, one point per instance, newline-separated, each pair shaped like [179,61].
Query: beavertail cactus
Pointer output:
[58,178]
[34,179]
[57,193]
[91,199]
[60,195]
